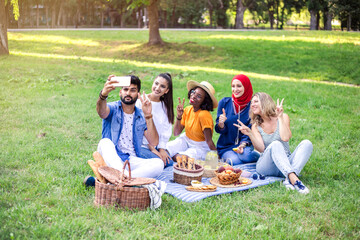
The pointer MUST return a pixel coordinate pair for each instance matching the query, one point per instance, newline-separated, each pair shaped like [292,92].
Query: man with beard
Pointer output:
[124,128]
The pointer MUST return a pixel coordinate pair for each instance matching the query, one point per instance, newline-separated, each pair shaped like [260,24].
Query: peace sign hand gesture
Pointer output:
[146,104]
[243,128]
[180,108]
[279,108]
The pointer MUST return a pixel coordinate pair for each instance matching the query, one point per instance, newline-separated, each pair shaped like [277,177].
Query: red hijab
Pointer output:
[242,101]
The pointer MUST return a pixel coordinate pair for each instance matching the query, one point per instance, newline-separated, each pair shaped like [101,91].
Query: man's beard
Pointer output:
[128,102]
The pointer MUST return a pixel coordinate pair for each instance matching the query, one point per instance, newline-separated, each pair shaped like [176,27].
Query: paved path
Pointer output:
[137,29]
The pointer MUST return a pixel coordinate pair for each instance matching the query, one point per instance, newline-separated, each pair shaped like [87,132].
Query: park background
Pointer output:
[50,82]
[223,14]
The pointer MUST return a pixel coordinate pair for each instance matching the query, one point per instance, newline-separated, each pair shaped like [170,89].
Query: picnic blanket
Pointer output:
[179,191]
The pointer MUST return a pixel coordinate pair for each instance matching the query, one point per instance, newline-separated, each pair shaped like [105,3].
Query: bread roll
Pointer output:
[99,159]
[184,161]
[94,166]
[179,161]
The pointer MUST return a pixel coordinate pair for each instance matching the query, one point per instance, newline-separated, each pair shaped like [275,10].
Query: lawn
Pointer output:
[49,87]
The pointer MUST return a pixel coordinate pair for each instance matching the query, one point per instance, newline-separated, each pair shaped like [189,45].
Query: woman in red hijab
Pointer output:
[232,144]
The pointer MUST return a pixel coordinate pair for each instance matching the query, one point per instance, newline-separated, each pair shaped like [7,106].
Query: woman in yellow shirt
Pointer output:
[197,121]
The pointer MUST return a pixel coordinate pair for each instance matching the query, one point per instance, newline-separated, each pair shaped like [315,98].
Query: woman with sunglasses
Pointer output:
[233,146]
[161,99]
[197,121]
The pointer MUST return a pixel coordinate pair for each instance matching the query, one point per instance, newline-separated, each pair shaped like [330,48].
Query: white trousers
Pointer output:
[140,167]
[185,146]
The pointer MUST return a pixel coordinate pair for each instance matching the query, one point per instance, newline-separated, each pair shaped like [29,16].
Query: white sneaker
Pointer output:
[300,187]
[288,185]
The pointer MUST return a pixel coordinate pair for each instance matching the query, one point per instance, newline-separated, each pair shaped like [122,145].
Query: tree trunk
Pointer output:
[349,23]
[211,17]
[327,23]
[271,19]
[102,18]
[47,16]
[37,15]
[139,18]
[53,16]
[4,48]
[20,19]
[240,10]
[64,20]
[122,20]
[173,17]
[165,19]
[112,19]
[154,33]
[7,12]
[145,18]
[312,20]
[318,20]
[282,18]
[60,13]
[277,13]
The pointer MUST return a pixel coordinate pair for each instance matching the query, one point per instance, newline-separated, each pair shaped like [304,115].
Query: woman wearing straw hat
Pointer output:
[196,141]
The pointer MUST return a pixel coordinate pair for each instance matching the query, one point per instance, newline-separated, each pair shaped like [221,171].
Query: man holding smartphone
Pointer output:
[124,127]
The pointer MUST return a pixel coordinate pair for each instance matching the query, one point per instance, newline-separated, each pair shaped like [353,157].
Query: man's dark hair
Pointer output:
[136,80]
[207,104]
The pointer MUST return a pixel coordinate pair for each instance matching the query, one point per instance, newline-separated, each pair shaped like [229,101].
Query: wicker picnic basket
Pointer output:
[185,176]
[124,194]
[226,179]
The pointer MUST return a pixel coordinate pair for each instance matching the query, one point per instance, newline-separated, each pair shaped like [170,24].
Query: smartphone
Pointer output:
[121,81]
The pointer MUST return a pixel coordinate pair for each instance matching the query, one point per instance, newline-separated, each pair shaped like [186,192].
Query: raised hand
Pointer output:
[222,117]
[279,108]
[243,128]
[146,104]
[108,86]
[180,108]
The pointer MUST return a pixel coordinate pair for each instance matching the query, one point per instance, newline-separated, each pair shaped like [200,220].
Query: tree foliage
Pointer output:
[180,13]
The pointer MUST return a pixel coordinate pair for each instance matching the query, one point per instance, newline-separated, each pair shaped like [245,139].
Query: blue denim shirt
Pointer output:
[229,133]
[112,126]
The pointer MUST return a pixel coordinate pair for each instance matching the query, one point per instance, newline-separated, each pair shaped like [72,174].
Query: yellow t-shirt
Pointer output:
[196,122]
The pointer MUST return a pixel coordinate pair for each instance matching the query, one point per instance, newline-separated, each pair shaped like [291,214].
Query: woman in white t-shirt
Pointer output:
[161,99]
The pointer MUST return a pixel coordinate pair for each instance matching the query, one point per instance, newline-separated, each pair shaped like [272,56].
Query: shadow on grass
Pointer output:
[294,59]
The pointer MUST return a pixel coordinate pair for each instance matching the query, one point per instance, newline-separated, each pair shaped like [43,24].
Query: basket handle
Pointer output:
[122,174]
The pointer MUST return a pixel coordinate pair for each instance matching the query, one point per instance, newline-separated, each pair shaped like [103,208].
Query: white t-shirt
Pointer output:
[125,143]
[163,127]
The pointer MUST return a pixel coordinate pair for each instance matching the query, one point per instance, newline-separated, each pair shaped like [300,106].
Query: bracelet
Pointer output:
[148,117]
[102,97]
[179,118]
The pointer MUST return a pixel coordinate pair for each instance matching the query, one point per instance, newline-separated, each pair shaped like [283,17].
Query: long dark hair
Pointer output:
[167,98]
[207,104]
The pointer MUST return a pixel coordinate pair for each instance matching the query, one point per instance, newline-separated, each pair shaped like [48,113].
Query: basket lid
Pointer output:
[119,178]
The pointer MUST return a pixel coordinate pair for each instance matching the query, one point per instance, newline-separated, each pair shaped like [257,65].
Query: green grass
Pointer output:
[50,84]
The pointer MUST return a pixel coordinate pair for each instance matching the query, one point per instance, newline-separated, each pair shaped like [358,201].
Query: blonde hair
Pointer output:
[267,106]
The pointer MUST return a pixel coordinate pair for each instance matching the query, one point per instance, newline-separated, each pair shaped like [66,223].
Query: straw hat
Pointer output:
[207,87]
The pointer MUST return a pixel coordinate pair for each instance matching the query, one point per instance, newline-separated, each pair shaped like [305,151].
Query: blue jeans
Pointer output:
[275,162]
[249,155]
[146,153]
